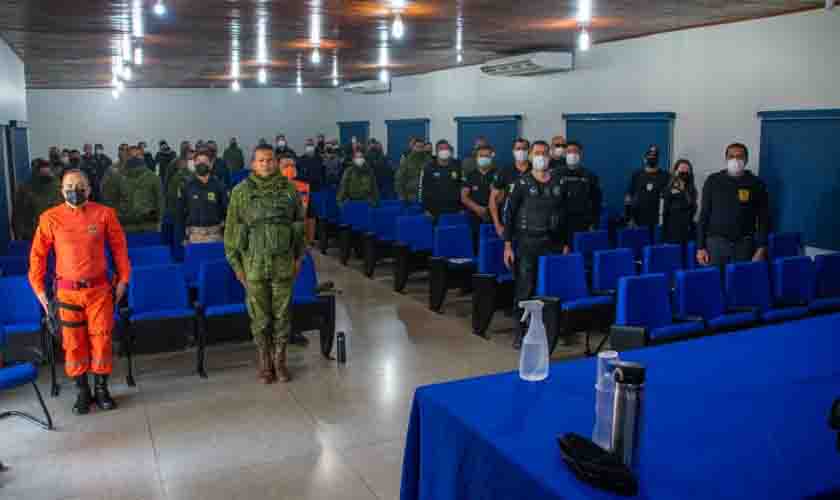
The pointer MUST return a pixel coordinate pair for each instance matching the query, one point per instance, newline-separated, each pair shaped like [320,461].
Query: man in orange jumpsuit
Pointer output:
[78,231]
[289,170]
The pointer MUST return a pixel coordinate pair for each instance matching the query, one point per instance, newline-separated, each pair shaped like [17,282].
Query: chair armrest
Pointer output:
[604,293]
[28,353]
[743,309]
[688,319]
[628,337]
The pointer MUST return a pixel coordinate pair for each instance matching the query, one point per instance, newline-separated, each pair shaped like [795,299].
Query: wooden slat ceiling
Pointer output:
[69,44]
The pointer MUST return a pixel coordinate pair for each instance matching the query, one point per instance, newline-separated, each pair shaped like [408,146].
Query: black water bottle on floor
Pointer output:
[341,347]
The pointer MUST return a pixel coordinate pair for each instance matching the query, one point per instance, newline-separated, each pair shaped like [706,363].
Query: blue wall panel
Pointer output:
[5,165]
[800,161]
[20,149]
[500,132]
[614,145]
[399,132]
[348,130]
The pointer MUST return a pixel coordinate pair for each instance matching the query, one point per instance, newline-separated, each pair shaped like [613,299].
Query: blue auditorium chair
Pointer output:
[666,259]
[455,219]
[14,265]
[452,263]
[19,248]
[219,294]
[153,255]
[634,238]
[784,245]
[608,267]
[827,286]
[16,374]
[492,283]
[144,239]
[699,295]
[311,310]
[354,223]
[589,242]
[748,286]
[157,293]
[643,314]
[690,258]
[326,217]
[415,239]
[569,308]
[378,242]
[793,282]
[196,253]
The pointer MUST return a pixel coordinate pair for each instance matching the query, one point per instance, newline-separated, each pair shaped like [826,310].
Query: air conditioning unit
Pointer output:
[368,87]
[537,63]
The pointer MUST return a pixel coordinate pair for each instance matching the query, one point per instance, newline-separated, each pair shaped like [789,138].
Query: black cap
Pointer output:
[627,372]
[161,143]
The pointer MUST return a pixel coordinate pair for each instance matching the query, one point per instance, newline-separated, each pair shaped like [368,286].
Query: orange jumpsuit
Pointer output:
[301,186]
[86,314]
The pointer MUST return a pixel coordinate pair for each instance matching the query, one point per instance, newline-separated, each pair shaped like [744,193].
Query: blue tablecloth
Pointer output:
[742,415]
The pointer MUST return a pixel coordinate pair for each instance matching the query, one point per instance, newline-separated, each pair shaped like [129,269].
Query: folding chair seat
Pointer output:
[588,242]
[16,374]
[378,242]
[159,294]
[793,282]
[643,314]
[784,245]
[492,283]
[195,254]
[327,220]
[634,238]
[14,265]
[220,295]
[413,247]
[569,308]
[827,286]
[699,295]
[455,219]
[690,258]
[311,310]
[452,263]
[608,267]
[666,259]
[748,286]
[154,255]
[144,239]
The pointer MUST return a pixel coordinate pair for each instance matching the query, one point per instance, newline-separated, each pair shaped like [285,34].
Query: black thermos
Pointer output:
[341,347]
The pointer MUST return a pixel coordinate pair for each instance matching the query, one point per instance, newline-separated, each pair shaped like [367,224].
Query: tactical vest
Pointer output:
[137,199]
[540,213]
[267,222]
[360,183]
[411,181]
[578,192]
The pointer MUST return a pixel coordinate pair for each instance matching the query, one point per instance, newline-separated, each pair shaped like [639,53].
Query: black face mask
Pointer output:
[684,176]
[202,169]
[651,161]
[76,197]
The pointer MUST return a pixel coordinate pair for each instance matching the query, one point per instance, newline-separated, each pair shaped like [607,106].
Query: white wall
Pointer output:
[12,86]
[716,79]
[74,117]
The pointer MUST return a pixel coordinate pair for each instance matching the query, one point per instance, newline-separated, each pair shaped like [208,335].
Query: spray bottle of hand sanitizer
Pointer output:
[533,360]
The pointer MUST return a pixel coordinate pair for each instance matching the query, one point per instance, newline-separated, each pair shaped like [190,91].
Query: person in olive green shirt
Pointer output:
[182,171]
[358,182]
[138,195]
[264,244]
[33,198]
[407,178]
[234,159]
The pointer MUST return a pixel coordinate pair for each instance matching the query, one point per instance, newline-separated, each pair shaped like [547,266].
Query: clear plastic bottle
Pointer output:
[533,358]
[604,395]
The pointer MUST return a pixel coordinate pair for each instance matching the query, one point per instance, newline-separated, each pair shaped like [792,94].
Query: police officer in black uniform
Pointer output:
[439,191]
[202,205]
[506,180]
[645,192]
[558,153]
[734,214]
[581,191]
[535,219]
[475,195]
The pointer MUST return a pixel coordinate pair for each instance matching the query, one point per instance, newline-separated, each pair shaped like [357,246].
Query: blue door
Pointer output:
[500,132]
[5,189]
[799,162]
[399,131]
[19,141]
[348,130]
[614,145]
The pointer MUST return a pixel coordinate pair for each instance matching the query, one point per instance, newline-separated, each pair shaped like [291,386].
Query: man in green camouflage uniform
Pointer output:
[407,178]
[358,182]
[264,245]
[34,198]
[139,197]
[182,172]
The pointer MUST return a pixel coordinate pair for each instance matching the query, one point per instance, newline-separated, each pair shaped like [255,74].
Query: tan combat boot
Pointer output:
[280,364]
[265,373]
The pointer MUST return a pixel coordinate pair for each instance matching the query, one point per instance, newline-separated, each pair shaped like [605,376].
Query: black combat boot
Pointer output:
[101,394]
[84,399]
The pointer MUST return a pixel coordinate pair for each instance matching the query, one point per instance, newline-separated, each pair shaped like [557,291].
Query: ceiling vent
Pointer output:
[537,63]
[368,87]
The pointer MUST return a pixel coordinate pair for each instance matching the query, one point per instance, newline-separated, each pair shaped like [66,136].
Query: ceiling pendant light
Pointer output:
[160,8]
[398,28]
[316,56]
[235,86]
[120,86]
[584,16]
[299,90]
[584,40]
[115,94]
[127,73]
[384,76]
[335,82]
[126,48]
[262,76]
[397,4]
[138,56]
[460,57]
[137,18]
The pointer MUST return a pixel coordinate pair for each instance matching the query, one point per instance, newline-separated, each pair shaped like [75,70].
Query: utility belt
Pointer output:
[65,284]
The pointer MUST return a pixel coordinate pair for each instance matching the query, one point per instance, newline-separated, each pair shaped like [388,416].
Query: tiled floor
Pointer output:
[336,432]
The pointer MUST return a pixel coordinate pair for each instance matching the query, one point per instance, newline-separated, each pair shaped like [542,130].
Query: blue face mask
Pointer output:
[75,197]
[484,162]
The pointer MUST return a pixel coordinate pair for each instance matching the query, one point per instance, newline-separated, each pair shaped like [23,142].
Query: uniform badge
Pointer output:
[533,190]
[744,195]
[195,196]
[211,196]
[91,229]
[675,191]
[510,187]
[454,175]
[437,174]
[650,186]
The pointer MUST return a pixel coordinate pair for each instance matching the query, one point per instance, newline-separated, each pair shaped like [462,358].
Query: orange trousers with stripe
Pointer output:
[86,328]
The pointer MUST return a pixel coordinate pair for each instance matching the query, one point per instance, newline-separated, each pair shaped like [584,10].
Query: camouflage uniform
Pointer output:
[407,178]
[178,178]
[263,239]
[138,199]
[31,200]
[233,158]
[358,184]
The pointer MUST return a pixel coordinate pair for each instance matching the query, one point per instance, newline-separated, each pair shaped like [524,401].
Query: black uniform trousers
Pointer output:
[529,249]
[723,251]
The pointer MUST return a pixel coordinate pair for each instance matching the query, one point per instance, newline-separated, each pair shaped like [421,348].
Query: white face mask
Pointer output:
[281,144]
[572,159]
[309,149]
[559,152]
[444,154]
[735,166]
[358,162]
[520,155]
[191,165]
[539,162]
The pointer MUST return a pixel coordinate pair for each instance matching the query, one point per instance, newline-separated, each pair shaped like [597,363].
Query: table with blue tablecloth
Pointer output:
[742,415]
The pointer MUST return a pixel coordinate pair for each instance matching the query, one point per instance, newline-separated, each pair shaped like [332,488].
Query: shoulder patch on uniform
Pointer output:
[211,196]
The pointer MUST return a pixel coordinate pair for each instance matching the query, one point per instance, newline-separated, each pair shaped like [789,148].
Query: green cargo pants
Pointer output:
[268,306]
